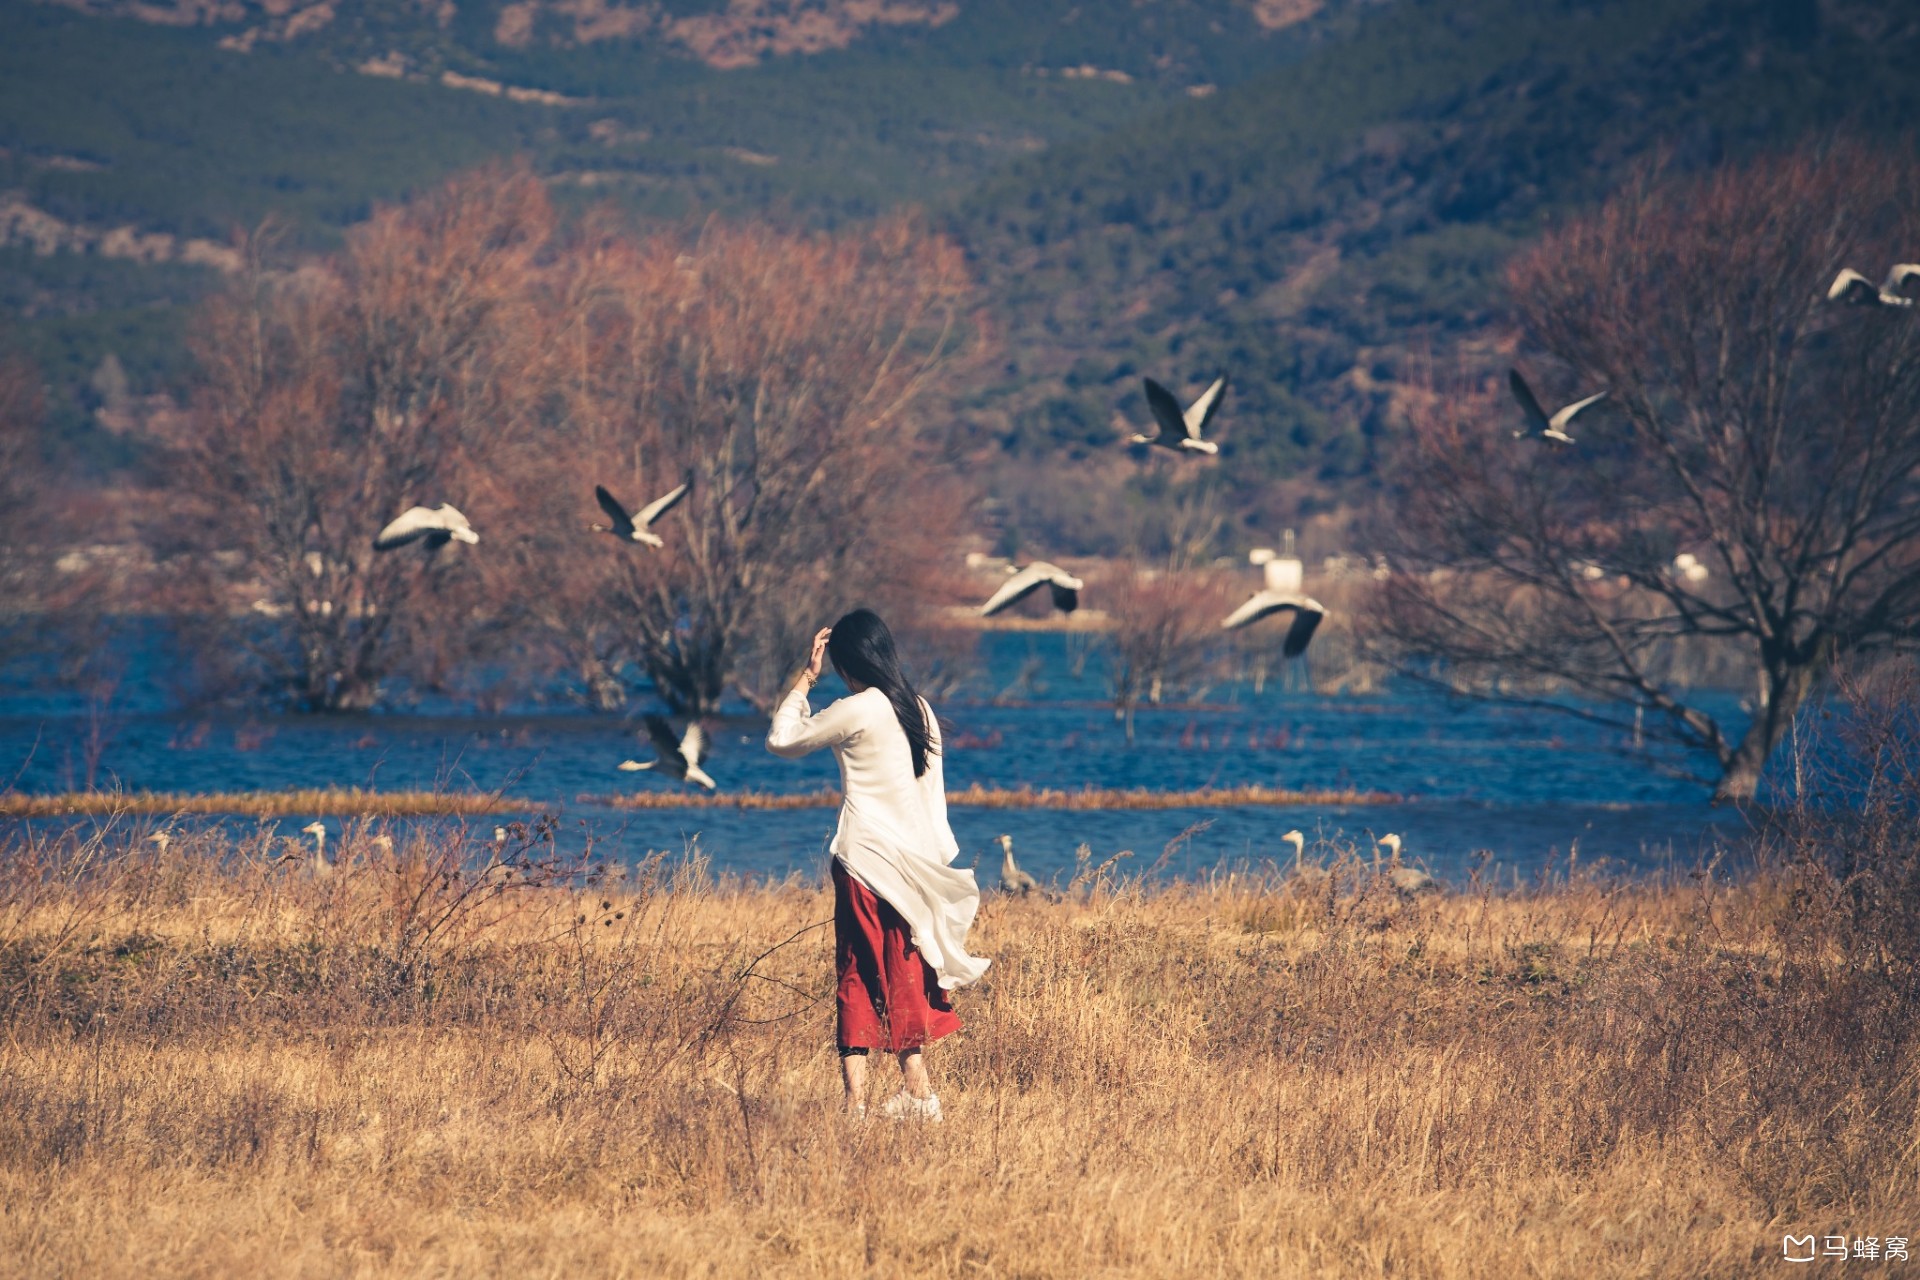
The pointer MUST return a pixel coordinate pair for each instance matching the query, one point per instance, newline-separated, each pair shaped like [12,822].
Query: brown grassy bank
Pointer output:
[352,802]
[346,802]
[979,797]
[218,1066]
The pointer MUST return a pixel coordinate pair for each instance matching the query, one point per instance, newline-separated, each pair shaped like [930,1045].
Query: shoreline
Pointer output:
[354,802]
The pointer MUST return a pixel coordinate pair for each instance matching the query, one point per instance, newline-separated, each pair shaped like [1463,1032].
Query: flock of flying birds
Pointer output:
[1180,430]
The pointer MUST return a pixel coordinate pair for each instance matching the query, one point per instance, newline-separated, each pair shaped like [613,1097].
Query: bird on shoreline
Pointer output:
[1012,878]
[1855,289]
[1539,425]
[1407,881]
[1022,583]
[1307,613]
[1181,429]
[679,755]
[318,830]
[1311,876]
[436,526]
[637,528]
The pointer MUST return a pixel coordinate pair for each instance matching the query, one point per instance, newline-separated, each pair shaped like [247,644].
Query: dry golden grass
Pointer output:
[215,1066]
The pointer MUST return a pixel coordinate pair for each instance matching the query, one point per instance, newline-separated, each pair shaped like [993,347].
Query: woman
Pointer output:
[901,914]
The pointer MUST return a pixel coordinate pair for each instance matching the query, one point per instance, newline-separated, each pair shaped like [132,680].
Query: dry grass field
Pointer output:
[220,1065]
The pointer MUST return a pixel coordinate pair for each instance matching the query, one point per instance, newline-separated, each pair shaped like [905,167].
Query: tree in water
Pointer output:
[792,378]
[332,398]
[1750,483]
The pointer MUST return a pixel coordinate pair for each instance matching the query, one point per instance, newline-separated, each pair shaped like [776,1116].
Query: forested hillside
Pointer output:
[1334,229]
[1316,197]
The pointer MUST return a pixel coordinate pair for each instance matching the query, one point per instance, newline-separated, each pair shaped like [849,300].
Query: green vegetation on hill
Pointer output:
[193,139]
[1324,228]
[1329,221]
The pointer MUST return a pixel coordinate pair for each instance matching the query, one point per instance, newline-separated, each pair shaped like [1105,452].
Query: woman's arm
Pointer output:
[796,730]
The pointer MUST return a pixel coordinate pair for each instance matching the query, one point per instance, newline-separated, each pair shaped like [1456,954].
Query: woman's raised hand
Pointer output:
[817,662]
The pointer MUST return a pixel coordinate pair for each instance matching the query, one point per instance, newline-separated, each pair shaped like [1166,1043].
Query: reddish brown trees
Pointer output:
[1753,425]
[788,376]
[461,350]
[21,410]
[333,398]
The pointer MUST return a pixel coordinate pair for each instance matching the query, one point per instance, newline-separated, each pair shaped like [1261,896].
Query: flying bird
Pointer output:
[1307,613]
[637,528]
[1539,425]
[1178,428]
[679,756]
[437,526]
[1022,583]
[1852,287]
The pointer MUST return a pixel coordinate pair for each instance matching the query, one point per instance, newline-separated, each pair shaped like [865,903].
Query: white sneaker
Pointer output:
[904,1106]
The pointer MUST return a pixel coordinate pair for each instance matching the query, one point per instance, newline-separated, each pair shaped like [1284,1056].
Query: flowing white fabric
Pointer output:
[893,835]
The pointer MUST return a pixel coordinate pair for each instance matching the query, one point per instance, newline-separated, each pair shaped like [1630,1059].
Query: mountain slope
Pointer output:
[1324,230]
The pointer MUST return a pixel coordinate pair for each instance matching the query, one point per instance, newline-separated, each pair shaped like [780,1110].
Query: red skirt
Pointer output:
[890,997]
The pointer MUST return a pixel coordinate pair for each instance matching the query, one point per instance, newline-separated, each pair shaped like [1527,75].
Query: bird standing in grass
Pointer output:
[1311,876]
[680,755]
[1012,878]
[1407,881]
[318,830]
[435,526]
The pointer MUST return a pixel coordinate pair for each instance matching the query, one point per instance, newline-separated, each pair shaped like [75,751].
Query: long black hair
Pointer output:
[861,648]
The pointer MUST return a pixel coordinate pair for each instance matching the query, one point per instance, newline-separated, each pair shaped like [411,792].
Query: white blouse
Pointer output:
[893,835]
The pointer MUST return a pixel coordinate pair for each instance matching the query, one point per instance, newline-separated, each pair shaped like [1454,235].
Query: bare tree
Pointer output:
[1165,635]
[789,377]
[333,398]
[1752,425]
[23,547]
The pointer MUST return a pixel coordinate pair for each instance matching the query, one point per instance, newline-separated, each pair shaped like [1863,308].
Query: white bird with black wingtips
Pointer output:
[1539,425]
[1852,287]
[638,528]
[436,526]
[1022,583]
[1182,429]
[1307,613]
[680,755]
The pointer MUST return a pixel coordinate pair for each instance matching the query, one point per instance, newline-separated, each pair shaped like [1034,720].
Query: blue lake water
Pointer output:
[1522,785]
